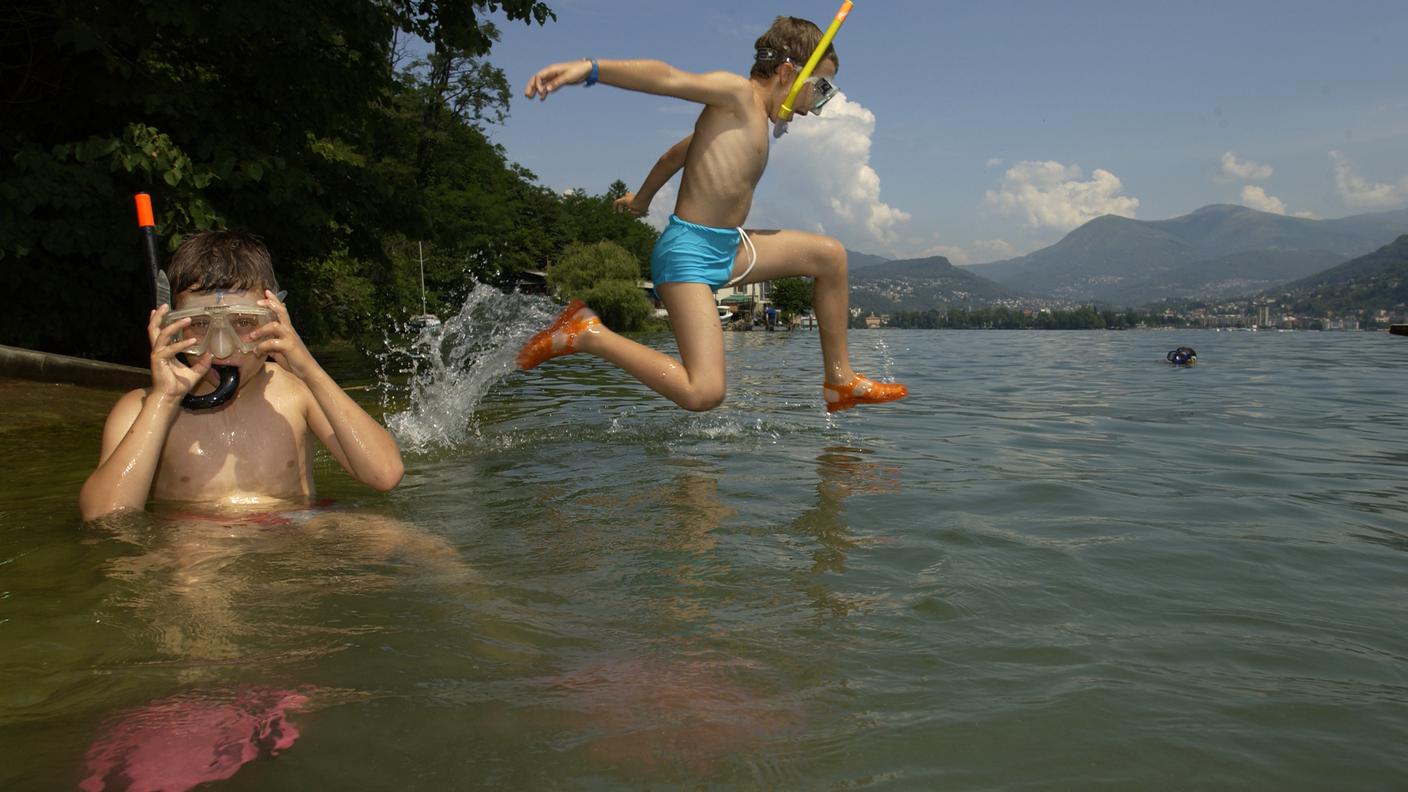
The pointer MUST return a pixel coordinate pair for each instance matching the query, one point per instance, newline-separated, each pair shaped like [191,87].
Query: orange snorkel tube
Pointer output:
[784,114]
[161,292]
[146,223]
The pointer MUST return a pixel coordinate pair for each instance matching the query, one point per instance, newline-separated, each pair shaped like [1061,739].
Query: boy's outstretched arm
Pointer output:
[720,89]
[361,445]
[136,429]
[638,203]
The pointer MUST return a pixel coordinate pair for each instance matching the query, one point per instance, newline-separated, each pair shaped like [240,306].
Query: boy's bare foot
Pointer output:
[861,390]
[558,338]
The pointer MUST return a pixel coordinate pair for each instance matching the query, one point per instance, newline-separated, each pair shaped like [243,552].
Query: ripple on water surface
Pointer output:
[1059,564]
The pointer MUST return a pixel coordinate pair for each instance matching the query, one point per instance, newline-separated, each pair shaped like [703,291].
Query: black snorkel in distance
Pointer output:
[161,293]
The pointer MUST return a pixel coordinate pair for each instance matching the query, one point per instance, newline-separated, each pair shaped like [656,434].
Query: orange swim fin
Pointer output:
[862,390]
[539,347]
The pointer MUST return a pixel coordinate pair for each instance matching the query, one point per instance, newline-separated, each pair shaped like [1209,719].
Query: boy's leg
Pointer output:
[700,338]
[783,254]
[698,383]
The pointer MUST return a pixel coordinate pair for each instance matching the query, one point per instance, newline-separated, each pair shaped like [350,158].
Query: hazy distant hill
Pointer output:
[919,284]
[857,261]
[1216,251]
[1235,274]
[1368,283]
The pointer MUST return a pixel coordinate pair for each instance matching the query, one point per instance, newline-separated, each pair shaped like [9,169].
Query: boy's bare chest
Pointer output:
[737,146]
[247,451]
[727,158]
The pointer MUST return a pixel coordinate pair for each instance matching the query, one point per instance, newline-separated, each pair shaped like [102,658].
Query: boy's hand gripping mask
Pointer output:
[161,289]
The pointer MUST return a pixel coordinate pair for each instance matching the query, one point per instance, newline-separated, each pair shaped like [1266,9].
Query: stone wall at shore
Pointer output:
[28,364]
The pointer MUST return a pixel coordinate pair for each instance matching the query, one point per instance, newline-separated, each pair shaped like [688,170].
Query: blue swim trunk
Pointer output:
[691,253]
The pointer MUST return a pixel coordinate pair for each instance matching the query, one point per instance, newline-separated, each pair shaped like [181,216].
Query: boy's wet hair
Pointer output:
[789,38]
[226,260]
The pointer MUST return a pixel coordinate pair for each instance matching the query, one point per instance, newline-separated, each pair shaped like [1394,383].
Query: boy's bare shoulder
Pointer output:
[284,385]
[134,396]
[121,417]
[724,89]
[737,84]
[286,391]
[129,404]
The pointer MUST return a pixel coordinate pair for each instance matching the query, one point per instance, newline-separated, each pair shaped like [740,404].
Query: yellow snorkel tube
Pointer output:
[784,114]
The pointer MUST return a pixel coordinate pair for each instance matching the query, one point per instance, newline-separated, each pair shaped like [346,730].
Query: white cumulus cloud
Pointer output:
[1360,193]
[994,249]
[1234,169]
[820,179]
[1052,195]
[1256,198]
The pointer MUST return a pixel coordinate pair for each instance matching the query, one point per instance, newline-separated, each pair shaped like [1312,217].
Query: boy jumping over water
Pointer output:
[704,247]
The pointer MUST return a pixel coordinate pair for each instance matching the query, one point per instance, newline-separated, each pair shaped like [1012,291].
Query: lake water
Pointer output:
[1060,564]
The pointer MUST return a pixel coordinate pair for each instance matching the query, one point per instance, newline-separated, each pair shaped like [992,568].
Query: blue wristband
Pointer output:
[596,72]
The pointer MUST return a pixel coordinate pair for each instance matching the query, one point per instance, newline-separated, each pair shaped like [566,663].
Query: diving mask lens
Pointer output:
[823,89]
[221,329]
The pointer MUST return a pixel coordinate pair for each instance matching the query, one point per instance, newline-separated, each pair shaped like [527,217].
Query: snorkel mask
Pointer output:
[1183,356]
[822,95]
[220,329]
[822,92]
[161,288]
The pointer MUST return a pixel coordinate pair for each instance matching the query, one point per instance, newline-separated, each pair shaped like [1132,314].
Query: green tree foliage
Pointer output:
[606,276]
[583,266]
[620,303]
[340,297]
[289,119]
[305,123]
[792,296]
[591,218]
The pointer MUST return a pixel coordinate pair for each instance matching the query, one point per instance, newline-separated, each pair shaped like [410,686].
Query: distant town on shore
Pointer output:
[1221,266]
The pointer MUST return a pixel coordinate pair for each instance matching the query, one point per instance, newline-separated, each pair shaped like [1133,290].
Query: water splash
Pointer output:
[887,359]
[447,370]
[434,381]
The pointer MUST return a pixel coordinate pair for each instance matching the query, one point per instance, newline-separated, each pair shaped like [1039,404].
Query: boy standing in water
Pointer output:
[704,247]
[254,449]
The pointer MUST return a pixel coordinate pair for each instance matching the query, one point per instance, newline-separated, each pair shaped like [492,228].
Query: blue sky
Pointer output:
[983,130]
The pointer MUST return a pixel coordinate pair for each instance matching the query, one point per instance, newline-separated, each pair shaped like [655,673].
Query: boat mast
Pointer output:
[421,247]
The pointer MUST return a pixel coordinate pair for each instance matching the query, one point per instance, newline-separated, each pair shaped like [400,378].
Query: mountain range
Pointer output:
[1378,280]
[884,286]
[1217,251]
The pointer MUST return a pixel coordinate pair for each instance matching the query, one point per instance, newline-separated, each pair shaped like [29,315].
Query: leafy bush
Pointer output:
[792,296]
[621,304]
[604,275]
[332,297]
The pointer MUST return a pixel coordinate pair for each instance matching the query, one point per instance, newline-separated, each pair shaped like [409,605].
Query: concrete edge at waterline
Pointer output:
[27,364]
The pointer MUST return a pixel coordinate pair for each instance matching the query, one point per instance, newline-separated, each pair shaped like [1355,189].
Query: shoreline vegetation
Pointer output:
[341,184]
[1002,318]
[1093,318]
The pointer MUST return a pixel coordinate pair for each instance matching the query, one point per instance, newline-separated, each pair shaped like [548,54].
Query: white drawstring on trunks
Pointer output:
[752,258]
